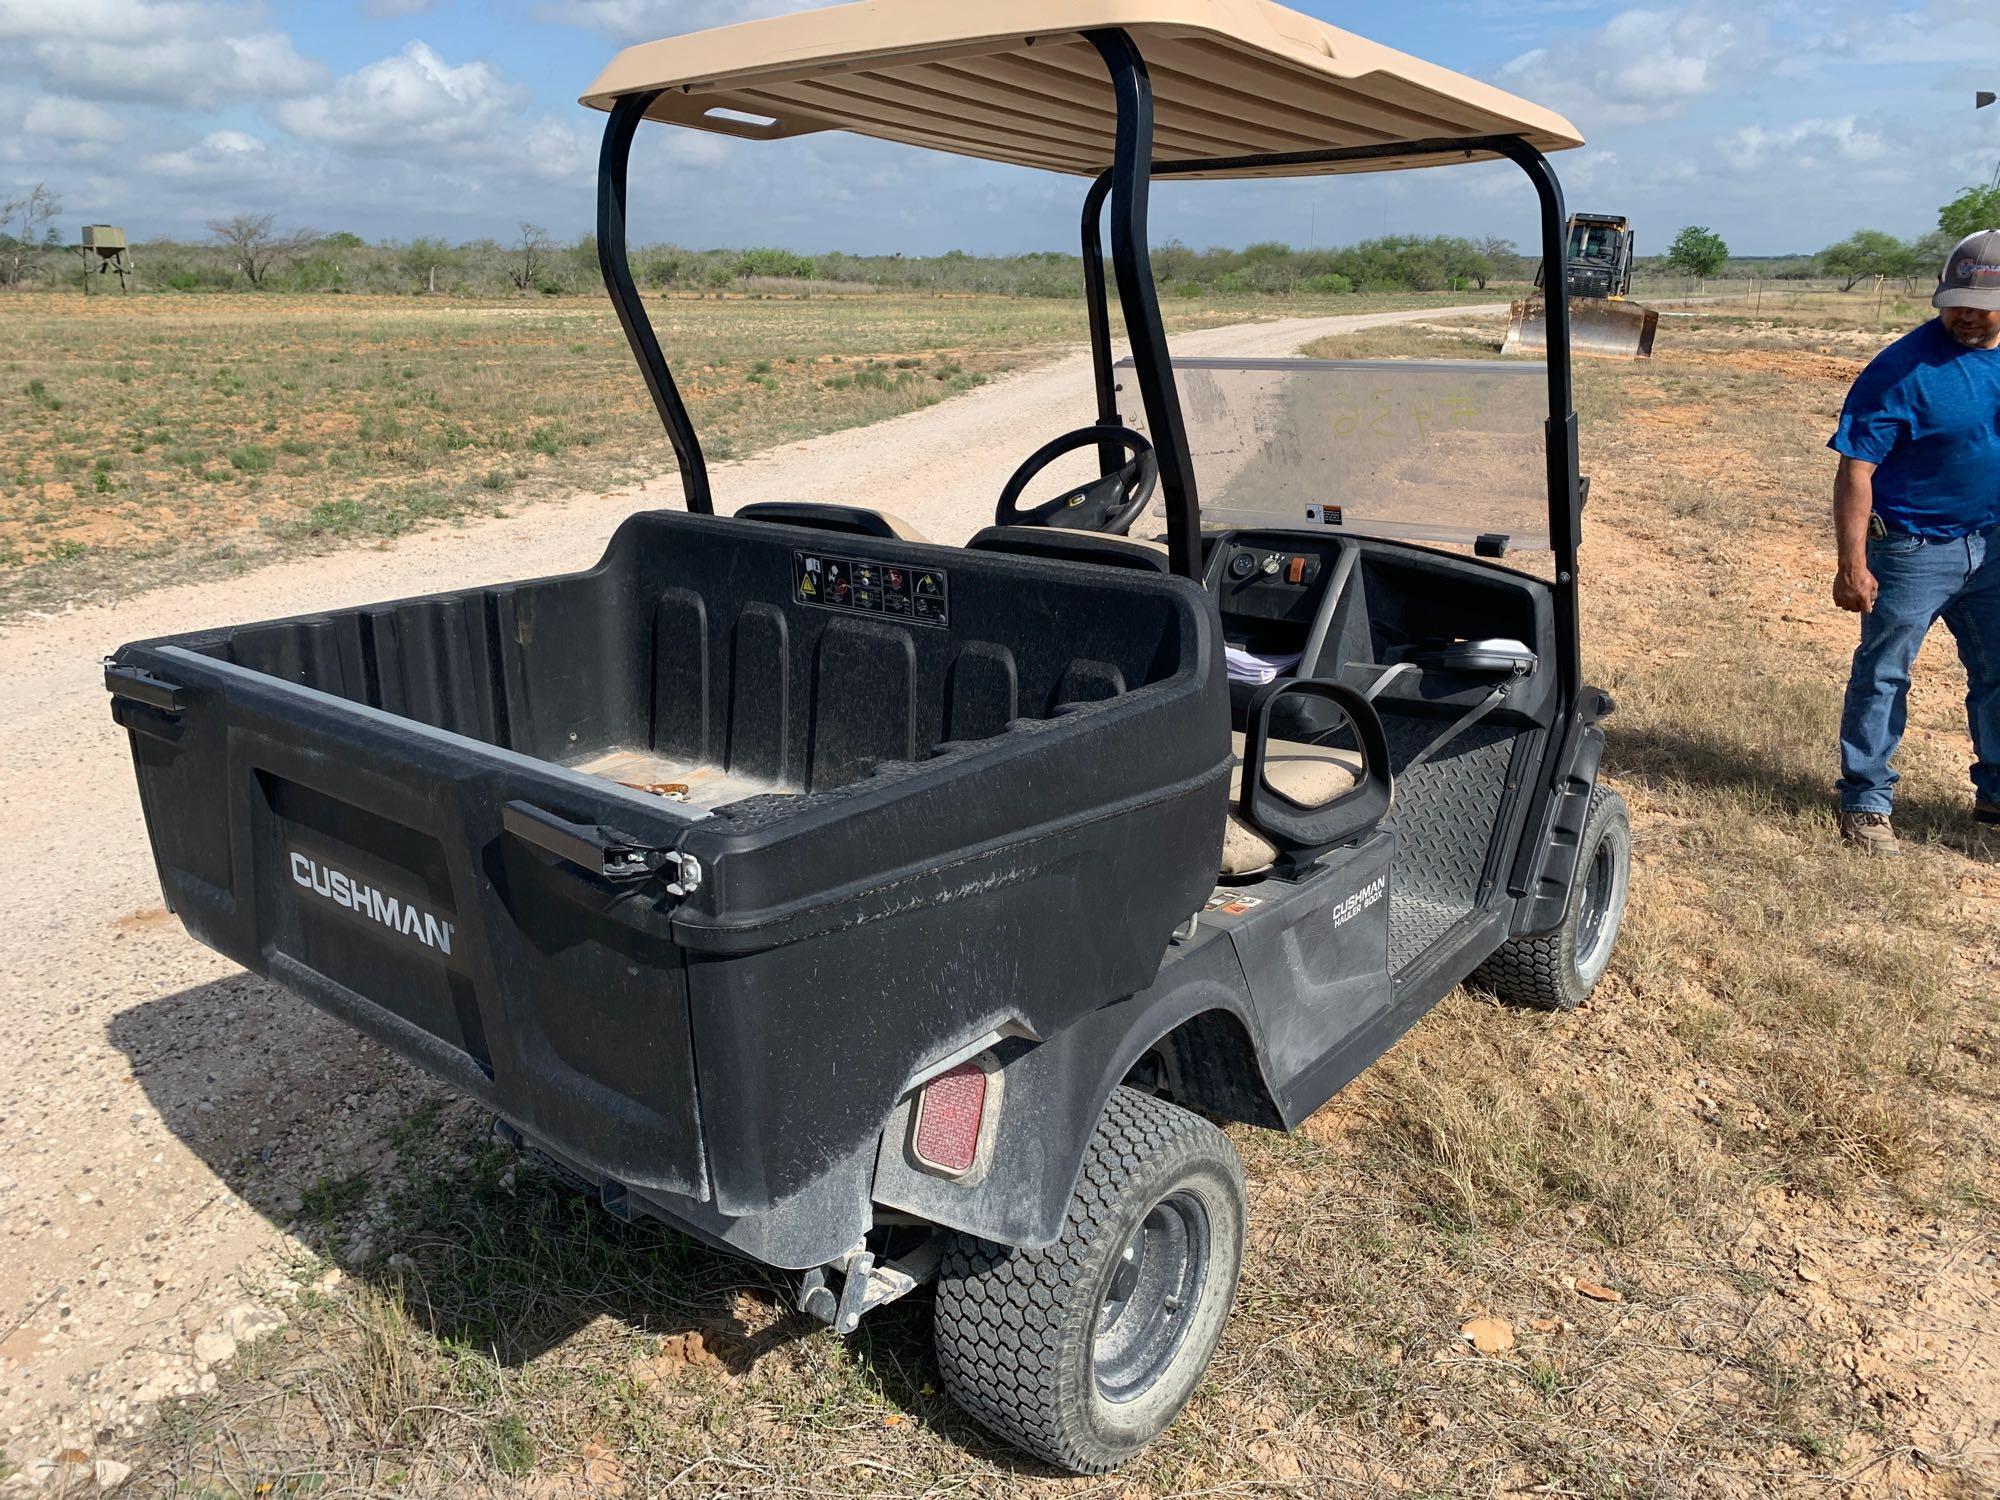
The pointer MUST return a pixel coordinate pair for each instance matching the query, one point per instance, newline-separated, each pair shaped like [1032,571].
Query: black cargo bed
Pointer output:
[983,790]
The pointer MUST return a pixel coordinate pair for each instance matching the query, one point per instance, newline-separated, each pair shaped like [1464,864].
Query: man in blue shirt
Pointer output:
[1916,519]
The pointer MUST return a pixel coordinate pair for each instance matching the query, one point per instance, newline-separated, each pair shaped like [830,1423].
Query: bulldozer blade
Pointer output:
[1615,330]
[1527,327]
[1604,328]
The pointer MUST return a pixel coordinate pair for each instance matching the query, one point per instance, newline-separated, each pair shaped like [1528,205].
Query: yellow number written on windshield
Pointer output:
[1391,414]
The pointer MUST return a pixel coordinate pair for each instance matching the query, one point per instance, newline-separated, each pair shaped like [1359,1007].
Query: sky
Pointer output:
[1782,126]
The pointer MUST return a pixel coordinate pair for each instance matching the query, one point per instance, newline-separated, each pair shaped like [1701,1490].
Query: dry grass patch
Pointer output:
[141,438]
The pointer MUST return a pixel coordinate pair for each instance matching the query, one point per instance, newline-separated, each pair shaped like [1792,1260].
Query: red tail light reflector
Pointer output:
[950,1110]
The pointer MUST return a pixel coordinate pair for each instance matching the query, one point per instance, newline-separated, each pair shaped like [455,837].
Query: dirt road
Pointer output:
[144,1076]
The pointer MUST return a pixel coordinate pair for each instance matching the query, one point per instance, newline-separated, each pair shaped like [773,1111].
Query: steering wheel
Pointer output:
[1109,503]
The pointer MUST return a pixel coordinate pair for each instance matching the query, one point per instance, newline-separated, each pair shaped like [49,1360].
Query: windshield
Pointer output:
[1595,242]
[1441,451]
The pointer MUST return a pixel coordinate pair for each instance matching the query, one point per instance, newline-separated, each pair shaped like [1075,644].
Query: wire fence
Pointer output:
[1871,302]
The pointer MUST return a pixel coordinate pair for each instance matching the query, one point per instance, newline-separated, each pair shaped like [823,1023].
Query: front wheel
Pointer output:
[1083,1351]
[1558,970]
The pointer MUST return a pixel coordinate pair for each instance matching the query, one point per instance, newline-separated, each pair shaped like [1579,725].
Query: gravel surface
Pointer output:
[161,1112]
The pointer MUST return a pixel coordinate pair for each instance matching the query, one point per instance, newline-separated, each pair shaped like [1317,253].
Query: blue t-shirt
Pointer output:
[1926,411]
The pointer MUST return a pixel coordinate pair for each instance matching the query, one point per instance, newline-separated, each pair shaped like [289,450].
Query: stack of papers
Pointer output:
[1249,666]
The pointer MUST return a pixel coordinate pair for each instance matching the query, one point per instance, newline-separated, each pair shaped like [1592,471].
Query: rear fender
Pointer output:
[1053,1093]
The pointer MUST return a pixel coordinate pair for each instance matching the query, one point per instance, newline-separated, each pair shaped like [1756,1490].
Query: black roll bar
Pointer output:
[1131,178]
[612,158]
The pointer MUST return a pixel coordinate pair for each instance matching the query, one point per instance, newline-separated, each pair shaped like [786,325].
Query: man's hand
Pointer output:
[1854,585]
[1855,589]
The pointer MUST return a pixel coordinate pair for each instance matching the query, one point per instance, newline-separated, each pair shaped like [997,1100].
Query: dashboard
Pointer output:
[1274,578]
[1272,588]
[1347,607]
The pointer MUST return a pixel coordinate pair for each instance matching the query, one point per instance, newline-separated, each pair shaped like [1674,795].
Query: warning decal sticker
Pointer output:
[872,588]
[1229,903]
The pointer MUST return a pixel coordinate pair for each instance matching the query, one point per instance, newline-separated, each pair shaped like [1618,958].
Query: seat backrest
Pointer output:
[1072,546]
[852,520]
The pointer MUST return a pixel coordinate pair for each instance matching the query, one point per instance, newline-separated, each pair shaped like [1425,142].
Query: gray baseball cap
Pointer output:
[1971,273]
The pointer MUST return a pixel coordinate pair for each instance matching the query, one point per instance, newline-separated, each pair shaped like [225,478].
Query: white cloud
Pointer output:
[648,20]
[228,156]
[63,119]
[553,150]
[136,20]
[469,119]
[1805,143]
[1944,31]
[1641,65]
[411,100]
[384,10]
[196,55]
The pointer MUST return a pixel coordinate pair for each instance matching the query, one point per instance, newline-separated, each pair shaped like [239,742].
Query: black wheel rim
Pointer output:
[1597,921]
[1155,1287]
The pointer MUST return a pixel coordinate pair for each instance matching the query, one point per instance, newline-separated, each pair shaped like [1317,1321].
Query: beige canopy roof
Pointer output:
[1012,81]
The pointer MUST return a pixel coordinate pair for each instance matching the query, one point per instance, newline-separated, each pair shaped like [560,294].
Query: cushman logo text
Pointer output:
[364,900]
[1361,900]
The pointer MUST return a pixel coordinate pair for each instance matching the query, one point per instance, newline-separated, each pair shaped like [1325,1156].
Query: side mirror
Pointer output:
[1309,797]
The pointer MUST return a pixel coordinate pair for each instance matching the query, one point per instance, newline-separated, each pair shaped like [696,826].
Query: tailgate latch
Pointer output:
[142,686]
[638,861]
[604,852]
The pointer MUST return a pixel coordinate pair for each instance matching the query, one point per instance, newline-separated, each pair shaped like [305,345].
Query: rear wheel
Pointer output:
[1083,1351]
[1557,970]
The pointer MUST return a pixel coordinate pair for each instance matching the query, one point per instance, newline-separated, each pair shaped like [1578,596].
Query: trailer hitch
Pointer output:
[866,1283]
[604,852]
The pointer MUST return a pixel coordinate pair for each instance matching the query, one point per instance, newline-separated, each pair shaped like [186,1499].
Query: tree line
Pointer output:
[1868,253]
[252,250]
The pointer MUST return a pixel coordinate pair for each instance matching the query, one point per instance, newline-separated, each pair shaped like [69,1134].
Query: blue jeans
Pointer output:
[1922,581]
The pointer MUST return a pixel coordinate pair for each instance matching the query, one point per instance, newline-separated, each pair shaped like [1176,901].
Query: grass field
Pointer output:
[141,438]
[1738,1212]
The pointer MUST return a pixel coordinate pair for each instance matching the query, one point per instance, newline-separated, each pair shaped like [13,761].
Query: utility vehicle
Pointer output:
[1597,273]
[894,913]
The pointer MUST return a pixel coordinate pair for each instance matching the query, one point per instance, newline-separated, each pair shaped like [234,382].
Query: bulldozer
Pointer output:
[1598,273]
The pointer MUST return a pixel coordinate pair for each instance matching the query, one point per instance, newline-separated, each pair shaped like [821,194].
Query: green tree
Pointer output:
[1974,209]
[767,262]
[1698,251]
[1465,261]
[1865,253]
[667,265]
[1505,258]
[425,256]
[1931,249]
[1175,262]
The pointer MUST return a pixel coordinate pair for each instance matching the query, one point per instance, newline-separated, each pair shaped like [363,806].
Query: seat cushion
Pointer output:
[1310,775]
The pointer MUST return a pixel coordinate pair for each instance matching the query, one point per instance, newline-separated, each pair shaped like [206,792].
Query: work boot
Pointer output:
[1985,812]
[1870,832]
